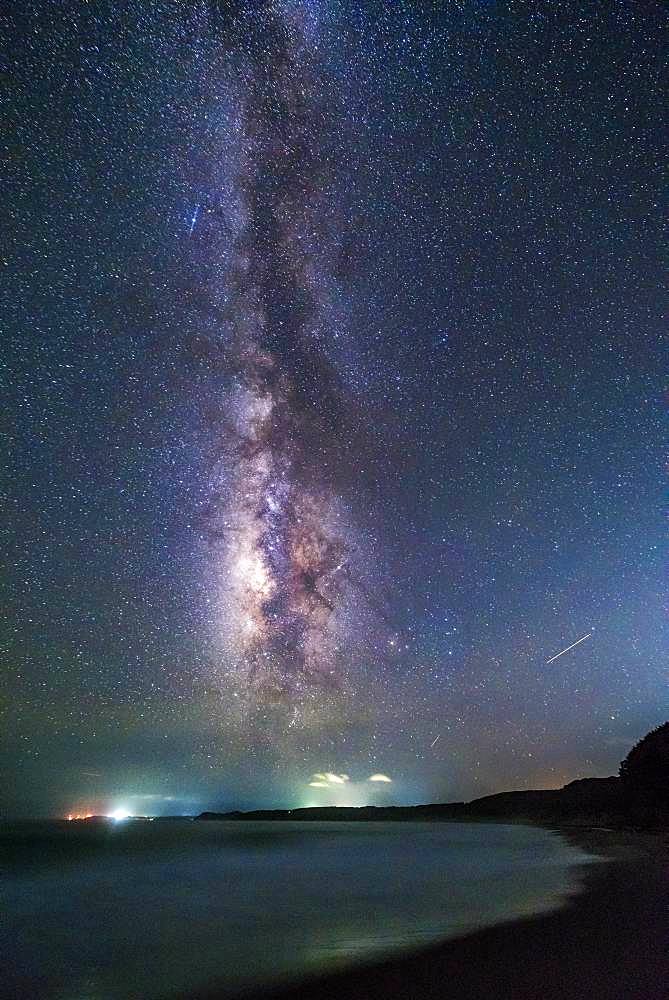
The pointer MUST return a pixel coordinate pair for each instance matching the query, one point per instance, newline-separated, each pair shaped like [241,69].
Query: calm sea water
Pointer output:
[150,910]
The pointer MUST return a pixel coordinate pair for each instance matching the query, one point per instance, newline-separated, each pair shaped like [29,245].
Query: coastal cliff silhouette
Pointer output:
[637,797]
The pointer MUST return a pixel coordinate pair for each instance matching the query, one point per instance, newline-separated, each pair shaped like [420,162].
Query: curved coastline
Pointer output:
[607,941]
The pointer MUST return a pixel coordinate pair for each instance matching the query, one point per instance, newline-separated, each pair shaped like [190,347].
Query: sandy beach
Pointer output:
[609,942]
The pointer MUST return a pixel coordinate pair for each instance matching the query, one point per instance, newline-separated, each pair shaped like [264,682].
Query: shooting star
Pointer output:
[434,741]
[194,219]
[583,637]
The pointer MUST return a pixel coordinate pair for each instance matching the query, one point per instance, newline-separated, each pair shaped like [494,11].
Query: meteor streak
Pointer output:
[435,740]
[583,637]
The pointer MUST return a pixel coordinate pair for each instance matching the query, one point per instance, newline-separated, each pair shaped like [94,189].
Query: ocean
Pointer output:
[132,909]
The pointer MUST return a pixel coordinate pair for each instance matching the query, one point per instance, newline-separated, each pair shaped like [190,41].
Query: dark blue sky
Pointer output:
[474,394]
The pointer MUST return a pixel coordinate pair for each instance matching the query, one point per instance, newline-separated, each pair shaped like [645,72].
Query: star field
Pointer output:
[331,350]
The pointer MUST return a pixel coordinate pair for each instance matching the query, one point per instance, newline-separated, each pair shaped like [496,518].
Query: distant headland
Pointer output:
[584,801]
[637,797]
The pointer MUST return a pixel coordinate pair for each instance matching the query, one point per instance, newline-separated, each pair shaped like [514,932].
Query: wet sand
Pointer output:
[610,942]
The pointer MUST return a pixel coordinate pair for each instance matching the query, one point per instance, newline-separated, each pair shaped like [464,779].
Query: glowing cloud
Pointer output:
[327,779]
[340,790]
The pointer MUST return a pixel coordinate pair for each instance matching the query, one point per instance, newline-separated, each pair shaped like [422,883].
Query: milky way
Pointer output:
[286,537]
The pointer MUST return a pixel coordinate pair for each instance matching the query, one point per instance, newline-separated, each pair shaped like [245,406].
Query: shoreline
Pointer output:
[608,941]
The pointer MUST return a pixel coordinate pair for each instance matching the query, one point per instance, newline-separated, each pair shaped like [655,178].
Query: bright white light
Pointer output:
[380,777]
[118,815]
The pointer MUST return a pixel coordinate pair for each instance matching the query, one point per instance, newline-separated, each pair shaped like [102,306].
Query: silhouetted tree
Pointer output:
[645,770]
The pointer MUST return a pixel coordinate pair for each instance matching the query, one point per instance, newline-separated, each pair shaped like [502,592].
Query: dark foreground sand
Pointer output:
[611,942]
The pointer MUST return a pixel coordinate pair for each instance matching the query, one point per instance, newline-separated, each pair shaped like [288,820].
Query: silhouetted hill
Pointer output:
[639,797]
[585,802]
[581,800]
[349,813]
[645,770]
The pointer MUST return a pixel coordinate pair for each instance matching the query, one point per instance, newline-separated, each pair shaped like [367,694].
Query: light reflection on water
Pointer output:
[152,909]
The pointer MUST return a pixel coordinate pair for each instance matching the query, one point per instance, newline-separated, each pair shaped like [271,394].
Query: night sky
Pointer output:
[331,357]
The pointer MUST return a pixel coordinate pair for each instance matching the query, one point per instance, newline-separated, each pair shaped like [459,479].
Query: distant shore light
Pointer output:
[118,814]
